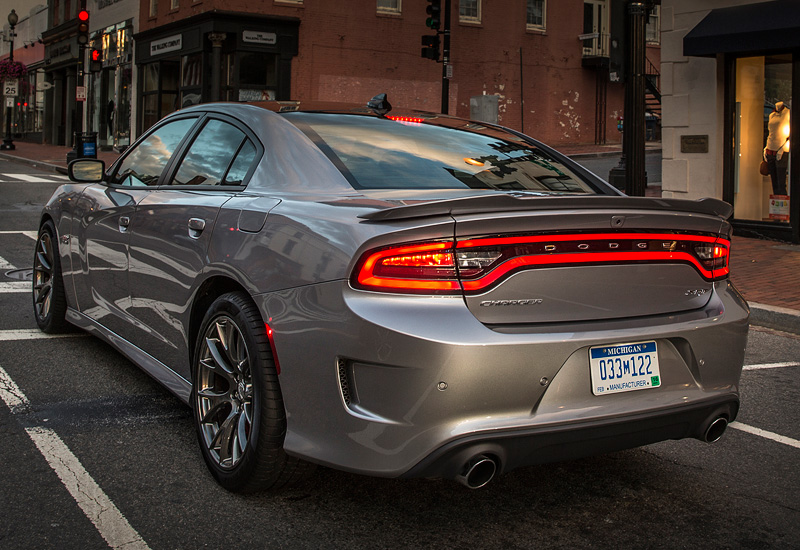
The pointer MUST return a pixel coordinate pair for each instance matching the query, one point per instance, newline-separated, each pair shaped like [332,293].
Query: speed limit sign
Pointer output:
[10,87]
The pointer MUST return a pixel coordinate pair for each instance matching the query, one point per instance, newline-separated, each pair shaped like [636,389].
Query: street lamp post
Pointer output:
[8,142]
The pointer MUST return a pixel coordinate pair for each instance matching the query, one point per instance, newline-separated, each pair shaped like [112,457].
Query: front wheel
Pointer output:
[236,400]
[49,298]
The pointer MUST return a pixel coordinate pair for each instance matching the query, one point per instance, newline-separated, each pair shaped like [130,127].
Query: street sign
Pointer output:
[10,88]
[9,101]
[80,93]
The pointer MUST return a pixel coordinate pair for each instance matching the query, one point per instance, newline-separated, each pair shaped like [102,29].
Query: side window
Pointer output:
[241,164]
[143,165]
[210,155]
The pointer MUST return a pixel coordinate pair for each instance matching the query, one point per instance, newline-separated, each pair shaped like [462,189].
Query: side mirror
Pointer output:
[86,170]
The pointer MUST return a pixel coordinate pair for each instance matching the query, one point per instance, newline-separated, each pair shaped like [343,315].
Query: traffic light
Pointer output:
[83,27]
[96,60]
[434,11]
[430,49]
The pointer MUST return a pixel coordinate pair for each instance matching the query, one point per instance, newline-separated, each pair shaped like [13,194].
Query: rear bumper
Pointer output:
[396,386]
[516,448]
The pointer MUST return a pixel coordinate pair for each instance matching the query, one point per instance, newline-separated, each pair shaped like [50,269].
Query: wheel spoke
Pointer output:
[224,438]
[43,262]
[215,401]
[219,361]
[243,430]
[43,292]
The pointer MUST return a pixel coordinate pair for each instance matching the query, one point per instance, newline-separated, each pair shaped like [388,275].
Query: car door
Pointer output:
[104,213]
[170,235]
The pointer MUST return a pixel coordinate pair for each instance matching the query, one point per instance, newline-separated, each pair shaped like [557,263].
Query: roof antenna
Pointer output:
[379,104]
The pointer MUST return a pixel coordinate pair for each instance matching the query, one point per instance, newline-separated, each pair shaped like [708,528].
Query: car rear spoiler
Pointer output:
[503,202]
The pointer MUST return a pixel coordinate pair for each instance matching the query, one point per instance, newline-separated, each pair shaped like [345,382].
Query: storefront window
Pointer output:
[258,76]
[761,133]
[160,91]
[191,79]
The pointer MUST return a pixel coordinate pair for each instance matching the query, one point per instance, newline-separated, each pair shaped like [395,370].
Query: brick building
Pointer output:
[526,56]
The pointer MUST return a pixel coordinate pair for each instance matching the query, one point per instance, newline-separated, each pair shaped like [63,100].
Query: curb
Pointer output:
[604,154]
[779,318]
[34,163]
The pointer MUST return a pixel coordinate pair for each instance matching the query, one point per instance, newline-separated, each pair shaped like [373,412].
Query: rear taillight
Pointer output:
[423,268]
[475,265]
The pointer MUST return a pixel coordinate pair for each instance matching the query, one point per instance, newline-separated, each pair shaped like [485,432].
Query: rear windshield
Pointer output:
[380,153]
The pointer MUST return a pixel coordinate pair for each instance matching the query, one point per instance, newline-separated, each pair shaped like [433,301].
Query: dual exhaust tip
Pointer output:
[481,469]
[478,472]
[715,429]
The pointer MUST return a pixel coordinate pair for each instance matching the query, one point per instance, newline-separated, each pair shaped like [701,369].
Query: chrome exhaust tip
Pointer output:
[715,429]
[478,472]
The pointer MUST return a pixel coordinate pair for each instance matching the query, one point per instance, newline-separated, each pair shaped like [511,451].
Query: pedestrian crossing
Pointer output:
[33,178]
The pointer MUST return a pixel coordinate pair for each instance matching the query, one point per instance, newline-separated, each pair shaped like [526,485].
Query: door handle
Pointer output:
[196,226]
[124,222]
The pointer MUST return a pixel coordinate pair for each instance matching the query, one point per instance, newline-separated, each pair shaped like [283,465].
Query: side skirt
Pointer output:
[164,375]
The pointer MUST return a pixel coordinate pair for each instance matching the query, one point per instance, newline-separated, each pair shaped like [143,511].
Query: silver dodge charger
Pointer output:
[397,294]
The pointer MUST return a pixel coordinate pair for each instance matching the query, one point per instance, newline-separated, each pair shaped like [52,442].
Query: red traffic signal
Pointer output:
[83,27]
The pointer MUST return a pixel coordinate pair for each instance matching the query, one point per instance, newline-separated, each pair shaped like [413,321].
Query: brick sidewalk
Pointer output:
[766,272]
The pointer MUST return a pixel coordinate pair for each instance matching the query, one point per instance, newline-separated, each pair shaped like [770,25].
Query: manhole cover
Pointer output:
[20,274]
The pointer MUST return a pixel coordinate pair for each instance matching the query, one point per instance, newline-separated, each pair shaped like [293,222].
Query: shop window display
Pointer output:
[762,138]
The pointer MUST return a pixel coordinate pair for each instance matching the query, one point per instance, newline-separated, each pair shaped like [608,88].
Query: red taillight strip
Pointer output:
[530,262]
[503,241]
[428,267]
[368,279]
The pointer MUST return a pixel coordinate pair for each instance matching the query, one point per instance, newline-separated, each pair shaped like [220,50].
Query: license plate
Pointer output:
[624,367]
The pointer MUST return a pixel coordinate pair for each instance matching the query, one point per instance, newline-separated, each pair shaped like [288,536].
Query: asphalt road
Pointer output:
[90,444]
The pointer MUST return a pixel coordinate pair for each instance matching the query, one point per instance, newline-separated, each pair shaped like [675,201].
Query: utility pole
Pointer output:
[431,44]
[634,136]
[632,163]
[446,67]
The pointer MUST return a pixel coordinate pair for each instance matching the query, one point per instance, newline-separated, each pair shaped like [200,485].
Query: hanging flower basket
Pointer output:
[10,70]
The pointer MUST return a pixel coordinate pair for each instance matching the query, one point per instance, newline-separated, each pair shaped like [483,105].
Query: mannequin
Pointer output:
[775,153]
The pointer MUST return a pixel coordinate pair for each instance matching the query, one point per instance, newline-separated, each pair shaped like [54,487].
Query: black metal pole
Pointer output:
[446,59]
[8,141]
[633,137]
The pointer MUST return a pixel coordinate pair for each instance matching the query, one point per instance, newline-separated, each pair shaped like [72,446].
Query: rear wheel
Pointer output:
[49,298]
[236,400]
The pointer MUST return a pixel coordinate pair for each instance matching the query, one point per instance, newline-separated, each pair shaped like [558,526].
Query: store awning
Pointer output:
[761,27]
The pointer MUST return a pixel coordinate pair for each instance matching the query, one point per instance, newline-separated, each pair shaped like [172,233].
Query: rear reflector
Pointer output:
[475,265]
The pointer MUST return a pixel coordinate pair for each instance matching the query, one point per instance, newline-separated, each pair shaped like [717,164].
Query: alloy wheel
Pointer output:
[224,397]
[43,276]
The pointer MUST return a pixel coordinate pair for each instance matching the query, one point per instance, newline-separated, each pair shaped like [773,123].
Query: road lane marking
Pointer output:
[34,334]
[11,395]
[770,366]
[765,434]
[91,499]
[30,178]
[30,234]
[14,286]
[4,264]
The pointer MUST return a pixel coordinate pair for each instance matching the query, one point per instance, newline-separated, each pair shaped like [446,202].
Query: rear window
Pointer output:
[380,153]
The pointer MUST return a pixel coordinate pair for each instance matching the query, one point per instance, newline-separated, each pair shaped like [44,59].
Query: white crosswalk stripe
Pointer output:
[9,287]
[30,178]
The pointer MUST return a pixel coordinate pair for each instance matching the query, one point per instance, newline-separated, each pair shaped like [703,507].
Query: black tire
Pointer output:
[49,298]
[236,400]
